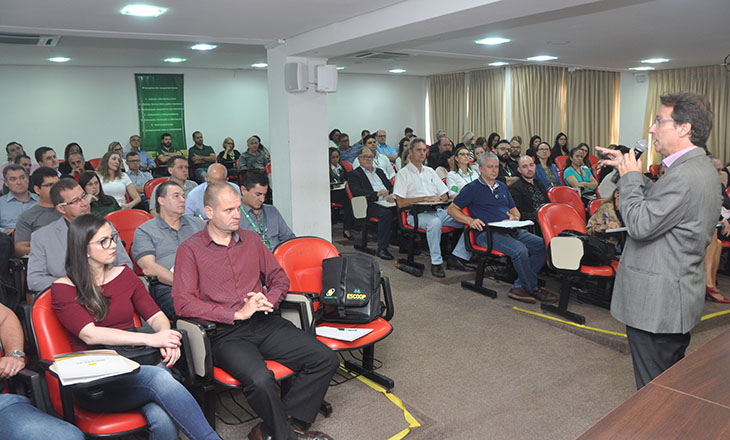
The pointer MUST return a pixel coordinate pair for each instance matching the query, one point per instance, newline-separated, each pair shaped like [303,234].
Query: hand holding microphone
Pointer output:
[624,163]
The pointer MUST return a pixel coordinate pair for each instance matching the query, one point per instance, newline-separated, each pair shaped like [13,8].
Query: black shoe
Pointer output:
[437,270]
[349,237]
[457,264]
[384,254]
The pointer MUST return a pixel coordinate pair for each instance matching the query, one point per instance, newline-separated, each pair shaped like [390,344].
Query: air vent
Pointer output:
[30,40]
[380,55]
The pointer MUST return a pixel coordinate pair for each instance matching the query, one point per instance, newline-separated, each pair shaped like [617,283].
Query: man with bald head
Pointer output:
[194,202]
[219,276]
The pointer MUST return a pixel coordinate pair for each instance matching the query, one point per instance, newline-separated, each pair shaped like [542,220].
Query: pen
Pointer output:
[605,215]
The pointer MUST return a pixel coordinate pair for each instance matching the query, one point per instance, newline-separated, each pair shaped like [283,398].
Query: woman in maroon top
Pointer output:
[95,302]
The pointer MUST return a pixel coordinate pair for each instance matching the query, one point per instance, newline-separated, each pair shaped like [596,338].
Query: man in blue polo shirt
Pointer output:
[383,148]
[489,201]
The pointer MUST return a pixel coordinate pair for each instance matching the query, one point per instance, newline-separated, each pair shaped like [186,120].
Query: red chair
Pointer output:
[126,221]
[411,232]
[51,338]
[654,170]
[95,162]
[347,165]
[301,258]
[593,160]
[268,168]
[594,205]
[555,218]
[560,162]
[150,186]
[569,196]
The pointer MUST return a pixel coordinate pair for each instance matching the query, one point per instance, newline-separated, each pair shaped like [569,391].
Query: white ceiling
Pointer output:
[606,34]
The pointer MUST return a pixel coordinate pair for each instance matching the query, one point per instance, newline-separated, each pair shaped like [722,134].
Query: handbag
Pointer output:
[596,251]
[142,354]
[351,289]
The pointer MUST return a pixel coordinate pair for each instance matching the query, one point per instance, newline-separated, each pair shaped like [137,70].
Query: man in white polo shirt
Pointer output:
[417,183]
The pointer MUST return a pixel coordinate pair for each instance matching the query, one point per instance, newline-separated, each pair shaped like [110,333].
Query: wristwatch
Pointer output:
[17,354]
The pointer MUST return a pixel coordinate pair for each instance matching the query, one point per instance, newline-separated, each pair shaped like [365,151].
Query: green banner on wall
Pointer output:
[161,109]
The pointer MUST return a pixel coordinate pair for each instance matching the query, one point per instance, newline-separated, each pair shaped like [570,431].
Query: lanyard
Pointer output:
[260,231]
[468,174]
[507,170]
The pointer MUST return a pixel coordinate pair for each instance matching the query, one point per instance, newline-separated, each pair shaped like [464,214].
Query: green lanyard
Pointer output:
[260,231]
[507,170]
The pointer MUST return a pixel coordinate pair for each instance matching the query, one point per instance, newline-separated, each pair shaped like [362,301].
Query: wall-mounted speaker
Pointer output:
[326,77]
[295,77]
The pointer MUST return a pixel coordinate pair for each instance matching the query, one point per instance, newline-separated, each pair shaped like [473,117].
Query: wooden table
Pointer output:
[691,400]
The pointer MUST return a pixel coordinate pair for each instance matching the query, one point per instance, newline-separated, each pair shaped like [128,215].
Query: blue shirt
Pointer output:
[387,149]
[349,155]
[484,203]
[139,179]
[194,200]
[11,208]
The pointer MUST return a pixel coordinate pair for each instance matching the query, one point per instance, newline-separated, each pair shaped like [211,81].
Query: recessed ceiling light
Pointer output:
[340,67]
[174,60]
[259,65]
[203,46]
[397,71]
[655,60]
[59,59]
[641,68]
[542,58]
[143,10]
[498,63]
[493,41]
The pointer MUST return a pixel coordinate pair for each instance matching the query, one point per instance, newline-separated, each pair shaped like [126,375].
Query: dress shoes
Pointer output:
[457,263]
[349,237]
[520,294]
[543,295]
[384,254]
[258,433]
[437,270]
[709,296]
[711,289]
[301,434]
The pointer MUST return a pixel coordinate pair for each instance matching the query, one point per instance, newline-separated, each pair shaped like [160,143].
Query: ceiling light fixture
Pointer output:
[143,10]
[59,59]
[641,68]
[498,63]
[542,58]
[397,71]
[259,65]
[203,46]
[340,67]
[655,60]
[174,60]
[493,41]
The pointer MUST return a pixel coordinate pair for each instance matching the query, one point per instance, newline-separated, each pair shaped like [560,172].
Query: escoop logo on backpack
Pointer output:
[351,289]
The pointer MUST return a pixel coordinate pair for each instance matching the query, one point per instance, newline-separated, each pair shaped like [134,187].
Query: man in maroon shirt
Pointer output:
[218,277]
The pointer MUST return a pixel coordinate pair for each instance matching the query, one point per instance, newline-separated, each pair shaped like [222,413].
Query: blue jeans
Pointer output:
[165,403]
[432,223]
[527,252]
[22,421]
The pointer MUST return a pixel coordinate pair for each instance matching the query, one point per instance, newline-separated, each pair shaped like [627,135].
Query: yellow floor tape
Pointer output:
[412,422]
[714,315]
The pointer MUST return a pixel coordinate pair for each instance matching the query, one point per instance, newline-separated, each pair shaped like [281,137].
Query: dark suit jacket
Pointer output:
[522,196]
[360,185]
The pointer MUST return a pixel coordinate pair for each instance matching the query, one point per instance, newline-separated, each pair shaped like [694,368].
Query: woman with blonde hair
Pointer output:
[116,183]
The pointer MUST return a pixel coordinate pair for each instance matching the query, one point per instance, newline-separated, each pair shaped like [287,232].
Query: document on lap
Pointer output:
[385,203]
[87,366]
[511,224]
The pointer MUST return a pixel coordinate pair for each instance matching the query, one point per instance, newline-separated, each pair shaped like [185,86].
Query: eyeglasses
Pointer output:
[367,157]
[106,242]
[74,200]
[659,121]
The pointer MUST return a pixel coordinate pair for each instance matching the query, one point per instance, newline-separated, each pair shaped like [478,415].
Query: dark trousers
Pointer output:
[162,294]
[241,350]
[652,353]
[341,197]
[385,223]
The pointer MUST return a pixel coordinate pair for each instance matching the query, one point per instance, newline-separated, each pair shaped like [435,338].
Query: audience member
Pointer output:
[135,173]
[402,147]
[492,141]
[338,176]
[24,161]
[213,269]
[560,147]
[194,199]
[201,156]
[587,150]
[714,249]
[156,242]
[334,138]
[178,167]
[116,147]
[94,318]
[116,183]
[254,158]
[408,133]
[39,215]
[461,173]
[166,153]
[535,142]
[347,153]
[100,203]
[507,171]
[527,192]
[467,141]
[371,182]
[74,166]
[435,151]
[515,151]
[66,168]
[488,201]
[46,157]
[358,145]
[14,150]
[479,149]
[146,162]
[229,156]
[481,142]
[380,161]
[545,170]
[265,220]
[17,200]
[607,216]
[445,164]
[579,176]
[417,183]
[48,244]
[383,148]
[21,420]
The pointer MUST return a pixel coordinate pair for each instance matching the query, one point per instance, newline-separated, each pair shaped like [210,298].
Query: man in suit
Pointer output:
[659,290]
[371,182]
[47,260]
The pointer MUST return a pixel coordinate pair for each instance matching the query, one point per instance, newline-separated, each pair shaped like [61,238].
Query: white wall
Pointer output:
[633,103]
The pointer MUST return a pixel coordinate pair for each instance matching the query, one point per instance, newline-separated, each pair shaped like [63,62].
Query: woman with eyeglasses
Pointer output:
[546,171]
[95,302]
[229,156]
[461,173]
[100,203]
[560,147]
[116,182]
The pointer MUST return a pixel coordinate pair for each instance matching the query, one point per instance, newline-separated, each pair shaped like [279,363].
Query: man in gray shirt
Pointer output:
[178,168]
[17,200]
[264,220]
[41,214]
[156,241]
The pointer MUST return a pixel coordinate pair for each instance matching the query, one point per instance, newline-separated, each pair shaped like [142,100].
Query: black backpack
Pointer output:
[596,251]
[350,289]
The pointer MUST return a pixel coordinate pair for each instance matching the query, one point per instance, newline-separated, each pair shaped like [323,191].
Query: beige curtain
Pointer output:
[538,100]
[713,82]
[592,103]
[446,103]
[486,101]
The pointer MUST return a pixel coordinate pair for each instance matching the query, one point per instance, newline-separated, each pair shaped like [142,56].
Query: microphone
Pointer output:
[641,146]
